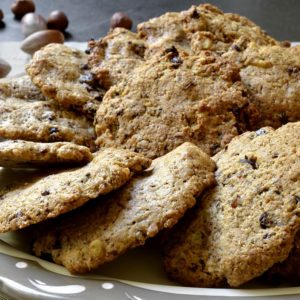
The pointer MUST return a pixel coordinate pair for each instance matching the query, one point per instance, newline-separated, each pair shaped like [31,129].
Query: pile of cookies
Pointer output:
[189,126]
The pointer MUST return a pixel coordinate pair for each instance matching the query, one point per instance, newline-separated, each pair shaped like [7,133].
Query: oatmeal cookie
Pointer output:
[21,88]
[272,77]
[203,27]
[24,154]
[105,228]
[62,74]
[248,222]
[55,194]
[115,56]
[176,99]
[43,121]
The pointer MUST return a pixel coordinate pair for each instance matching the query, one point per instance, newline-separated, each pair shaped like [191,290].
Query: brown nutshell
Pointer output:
[58,20]
[4,68]
[41,38]
[21,7]
[1,15]
[120,19]
[31,23]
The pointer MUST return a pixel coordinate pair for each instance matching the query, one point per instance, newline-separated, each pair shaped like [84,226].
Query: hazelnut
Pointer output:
[21,7]
[32,22]
[120,19]
[57,20]
[4,68]
[40,39]
[1,15]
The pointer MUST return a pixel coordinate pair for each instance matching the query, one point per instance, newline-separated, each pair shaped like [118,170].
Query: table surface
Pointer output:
[90,18]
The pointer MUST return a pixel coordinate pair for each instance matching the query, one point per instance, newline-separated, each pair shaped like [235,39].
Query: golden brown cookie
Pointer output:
[21,88]
[115,56]
[176,99]
[248,222]
[272,77]
[105,228]
[203,27]
[43,121]
[55,194]
[24,154]
[62,74]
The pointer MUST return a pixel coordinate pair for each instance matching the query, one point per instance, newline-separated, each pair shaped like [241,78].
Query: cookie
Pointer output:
[50,196]
[115,56]
[105,228]
[176,99]
[62,74]
[248,222]
[271,75]
[43,121]
[21,88]
[24,154]
[203,27]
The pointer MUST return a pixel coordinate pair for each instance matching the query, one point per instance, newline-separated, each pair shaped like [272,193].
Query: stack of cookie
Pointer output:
[211,99]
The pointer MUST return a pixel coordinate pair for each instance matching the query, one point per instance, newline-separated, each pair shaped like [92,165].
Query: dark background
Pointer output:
[90,18]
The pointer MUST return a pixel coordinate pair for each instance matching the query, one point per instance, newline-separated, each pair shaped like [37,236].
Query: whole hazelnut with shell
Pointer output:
[120,19]
[57,20]
[32,22]
[1,15]
[22,7]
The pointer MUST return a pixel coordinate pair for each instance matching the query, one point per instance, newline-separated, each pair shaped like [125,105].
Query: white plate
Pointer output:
[137,275]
